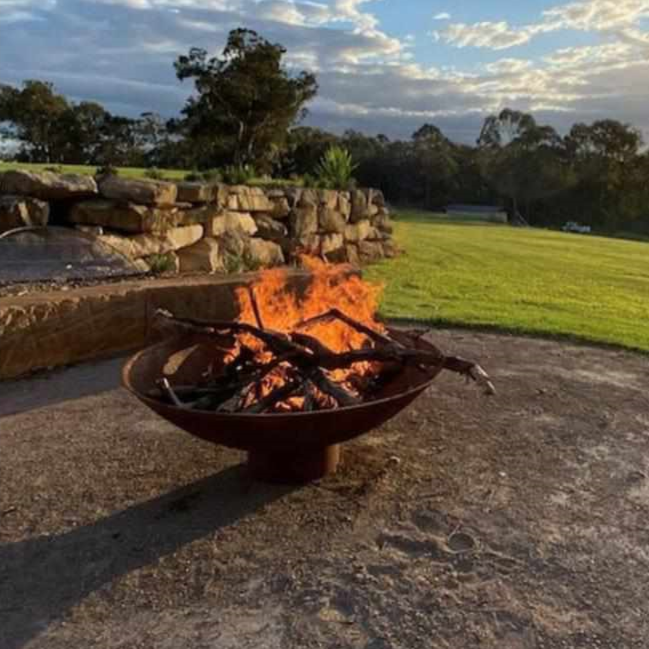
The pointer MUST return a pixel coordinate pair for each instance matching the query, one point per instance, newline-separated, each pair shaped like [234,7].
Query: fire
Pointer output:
[280,308]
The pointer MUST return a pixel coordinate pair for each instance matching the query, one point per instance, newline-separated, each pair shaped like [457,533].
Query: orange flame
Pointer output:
[282,308]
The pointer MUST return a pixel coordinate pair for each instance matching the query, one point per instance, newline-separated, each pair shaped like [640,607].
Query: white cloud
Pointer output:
[444,15]
[618,18]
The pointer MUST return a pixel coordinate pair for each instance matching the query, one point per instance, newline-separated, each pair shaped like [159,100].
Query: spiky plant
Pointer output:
[336,168]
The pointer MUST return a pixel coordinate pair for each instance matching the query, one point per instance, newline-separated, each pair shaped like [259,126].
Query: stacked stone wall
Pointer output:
[198,227]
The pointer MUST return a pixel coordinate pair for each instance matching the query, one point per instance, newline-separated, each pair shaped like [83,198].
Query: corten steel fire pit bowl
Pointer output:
[291,447]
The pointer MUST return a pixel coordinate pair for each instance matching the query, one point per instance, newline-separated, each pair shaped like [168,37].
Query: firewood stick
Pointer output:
[336,314]
[255,306]
[330,388]
[169,391]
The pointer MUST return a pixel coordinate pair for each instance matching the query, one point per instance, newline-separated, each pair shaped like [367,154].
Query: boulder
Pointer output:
[249,203]
[383,223]
[216,226]
[307,244]
[352,254]
[146,192]
[344,206]
[358,231]
[203,256]
[275,193]
[201,215]
[370,250]
[270,229]
[233,243]
[220,193]
[22,211]
[304,221]
[308,198]
[142,266]
[241,222]
[377,198]
[145,245]
[126,217]
[264,254]
[293,195]
[328,198]
[330,243]
[123,245]
[47,186]
[192,192]
[94,230]
[359,206]
[331,221]
[281,208]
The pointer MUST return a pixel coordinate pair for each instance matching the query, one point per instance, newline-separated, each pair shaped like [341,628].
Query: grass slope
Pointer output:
[520,280]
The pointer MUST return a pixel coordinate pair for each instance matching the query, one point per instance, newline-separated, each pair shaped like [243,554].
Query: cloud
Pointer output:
[442,16]
[618,18]
[120,52]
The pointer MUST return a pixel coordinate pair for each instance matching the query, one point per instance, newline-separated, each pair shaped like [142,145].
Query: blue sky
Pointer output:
[384,66]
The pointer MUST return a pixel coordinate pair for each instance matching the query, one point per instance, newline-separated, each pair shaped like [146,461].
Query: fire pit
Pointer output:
[293,377]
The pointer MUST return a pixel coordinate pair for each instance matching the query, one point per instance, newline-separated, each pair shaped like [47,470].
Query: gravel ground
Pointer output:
[517,521]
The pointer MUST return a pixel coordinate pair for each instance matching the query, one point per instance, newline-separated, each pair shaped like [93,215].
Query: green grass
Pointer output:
[129,172]
[521,280]
[133,172]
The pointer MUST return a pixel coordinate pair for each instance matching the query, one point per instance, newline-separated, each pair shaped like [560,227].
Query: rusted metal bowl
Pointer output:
[284,448]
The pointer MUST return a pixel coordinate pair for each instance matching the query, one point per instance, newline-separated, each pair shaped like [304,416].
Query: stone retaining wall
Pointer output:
[199,227]
[46,330]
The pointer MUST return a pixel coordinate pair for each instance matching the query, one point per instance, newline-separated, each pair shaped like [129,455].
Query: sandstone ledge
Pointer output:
[46,330]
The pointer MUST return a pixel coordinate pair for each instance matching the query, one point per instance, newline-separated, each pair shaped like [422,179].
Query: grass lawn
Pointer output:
[519,280]
[129,172]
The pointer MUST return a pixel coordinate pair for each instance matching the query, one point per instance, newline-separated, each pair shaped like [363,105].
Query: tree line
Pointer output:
[246,111]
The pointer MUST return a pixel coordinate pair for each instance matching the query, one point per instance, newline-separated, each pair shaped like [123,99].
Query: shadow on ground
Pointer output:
[81,561]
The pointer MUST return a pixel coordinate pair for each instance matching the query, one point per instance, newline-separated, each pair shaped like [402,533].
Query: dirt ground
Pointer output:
[513,522]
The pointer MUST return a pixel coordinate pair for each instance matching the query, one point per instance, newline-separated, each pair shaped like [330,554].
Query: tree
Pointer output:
[33,115]
[245,100]
[435,164]
[521,159]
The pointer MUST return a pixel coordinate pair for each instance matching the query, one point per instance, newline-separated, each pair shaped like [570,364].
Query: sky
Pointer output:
[383,66]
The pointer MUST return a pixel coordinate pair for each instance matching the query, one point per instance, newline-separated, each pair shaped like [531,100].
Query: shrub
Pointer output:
[161,263]
[212,176]
[335,169]
[154,173]
[238,174]
[107,170]
[193,176]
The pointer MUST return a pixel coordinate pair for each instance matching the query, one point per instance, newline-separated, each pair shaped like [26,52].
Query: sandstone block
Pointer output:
[358,231]
[270,229]
[370,250]
[328,198]
[47,186]
[304,221]
[126,217]
[203,256]
[281,208]
[344,206]
[331,242]
[331,221]
[22,211]
[264,254]
[146,192]
[193,192]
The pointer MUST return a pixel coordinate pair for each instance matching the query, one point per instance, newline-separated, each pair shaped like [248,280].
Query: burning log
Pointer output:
[306,366]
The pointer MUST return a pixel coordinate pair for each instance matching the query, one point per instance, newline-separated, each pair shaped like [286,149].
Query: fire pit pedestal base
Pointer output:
[287,467]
